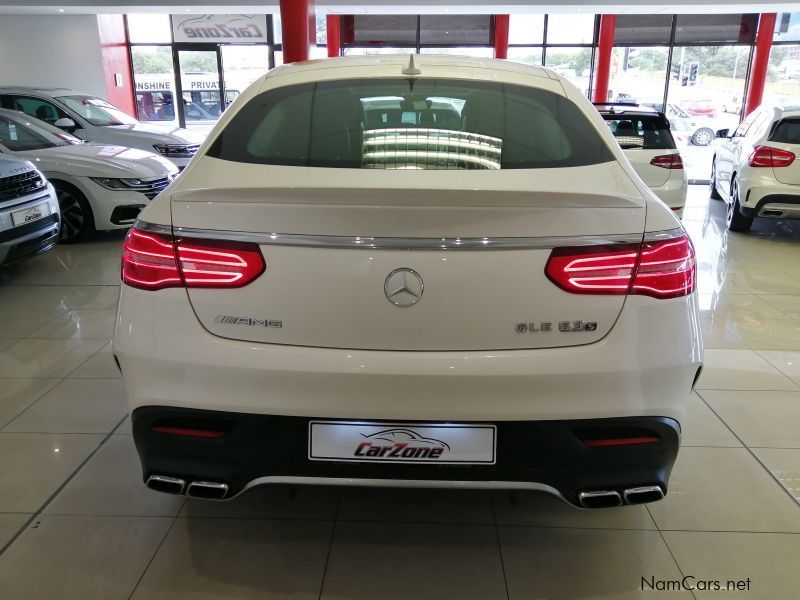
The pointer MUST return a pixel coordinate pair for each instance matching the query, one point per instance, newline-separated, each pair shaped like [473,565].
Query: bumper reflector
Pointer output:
[198,433]
[631,441]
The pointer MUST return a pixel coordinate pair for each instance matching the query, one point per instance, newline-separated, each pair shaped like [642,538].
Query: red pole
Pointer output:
[758,71]
[501,36]
[334,35]
[299,29]
[605,44]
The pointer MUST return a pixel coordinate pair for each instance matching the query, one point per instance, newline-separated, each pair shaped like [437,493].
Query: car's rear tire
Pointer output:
[702,137]
[712,185]
[77,219]
[736,220]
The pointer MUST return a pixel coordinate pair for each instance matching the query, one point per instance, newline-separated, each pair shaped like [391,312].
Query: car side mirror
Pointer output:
[722,133]
[66,124]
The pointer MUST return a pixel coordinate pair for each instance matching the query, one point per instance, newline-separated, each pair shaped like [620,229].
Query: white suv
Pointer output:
[467,286]
[29,215]
[95,120]
[755,168]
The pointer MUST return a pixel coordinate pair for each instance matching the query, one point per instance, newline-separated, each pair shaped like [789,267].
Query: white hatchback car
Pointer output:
[91,118]
[645,137]
[469,287]
[99,187]
[754,169]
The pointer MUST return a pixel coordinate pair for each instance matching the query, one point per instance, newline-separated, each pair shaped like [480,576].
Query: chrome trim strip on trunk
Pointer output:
[408,243]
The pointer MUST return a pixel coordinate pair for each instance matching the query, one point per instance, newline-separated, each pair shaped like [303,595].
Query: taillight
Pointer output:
[668,161]
[764,156]
[148,261]
[660,268]
[153,261]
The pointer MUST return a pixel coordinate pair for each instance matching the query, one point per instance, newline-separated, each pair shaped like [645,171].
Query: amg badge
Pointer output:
[234,320]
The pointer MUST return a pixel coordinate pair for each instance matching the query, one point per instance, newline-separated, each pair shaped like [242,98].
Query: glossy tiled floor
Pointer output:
[76,521]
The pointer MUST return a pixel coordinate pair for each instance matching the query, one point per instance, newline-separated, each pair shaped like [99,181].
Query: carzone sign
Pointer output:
[219,28]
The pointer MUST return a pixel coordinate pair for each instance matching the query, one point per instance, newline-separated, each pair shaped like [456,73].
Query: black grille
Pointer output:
[23,230]
[17,186]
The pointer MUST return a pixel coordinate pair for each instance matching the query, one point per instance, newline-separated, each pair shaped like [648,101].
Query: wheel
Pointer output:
[77,220]
[713,183]
[702,137]
[736,220]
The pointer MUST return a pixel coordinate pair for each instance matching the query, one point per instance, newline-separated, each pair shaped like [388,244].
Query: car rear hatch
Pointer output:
[645,139]
[480,251]
[786,137]
[404,213]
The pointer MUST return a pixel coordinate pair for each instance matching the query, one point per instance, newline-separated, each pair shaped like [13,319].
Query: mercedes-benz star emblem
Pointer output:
[403,287]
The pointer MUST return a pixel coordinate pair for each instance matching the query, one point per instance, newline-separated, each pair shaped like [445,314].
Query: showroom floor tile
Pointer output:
[77,523]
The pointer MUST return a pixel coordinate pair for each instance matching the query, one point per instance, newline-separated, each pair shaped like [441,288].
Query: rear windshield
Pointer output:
[641,132]
[411,124]
[787,132]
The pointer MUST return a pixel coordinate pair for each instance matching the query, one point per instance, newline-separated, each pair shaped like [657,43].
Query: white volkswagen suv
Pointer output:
[755,168]
[467,286]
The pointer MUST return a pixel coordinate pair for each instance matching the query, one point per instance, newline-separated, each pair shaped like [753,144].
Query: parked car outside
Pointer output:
[91,118]
[497,301]
[99,187]
[754,169]
[701,128]
[645,137]
[29,216]
[696,108]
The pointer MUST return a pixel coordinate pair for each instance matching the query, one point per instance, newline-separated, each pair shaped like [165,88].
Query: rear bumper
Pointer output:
[29,239]
[673,192]
[546,455]
[644,367]
[776,206]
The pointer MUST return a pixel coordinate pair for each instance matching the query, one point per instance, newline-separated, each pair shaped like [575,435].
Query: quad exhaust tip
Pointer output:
[600,499]
[169,485]
[207,490]
[642,494]
[611,498]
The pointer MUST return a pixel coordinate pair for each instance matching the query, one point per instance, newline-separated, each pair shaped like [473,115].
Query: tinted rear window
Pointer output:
[411,124]
[641,132]
[787,132]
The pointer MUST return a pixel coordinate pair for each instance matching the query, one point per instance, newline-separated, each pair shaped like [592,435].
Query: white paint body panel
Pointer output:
[643,364]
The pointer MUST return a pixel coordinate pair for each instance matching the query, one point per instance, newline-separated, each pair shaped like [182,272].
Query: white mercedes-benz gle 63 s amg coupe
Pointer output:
[430,272]
[754,168]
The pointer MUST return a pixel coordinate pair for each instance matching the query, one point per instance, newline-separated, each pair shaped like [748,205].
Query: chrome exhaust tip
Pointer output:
[771,213]
[163,483]
[642,494]
[600,499]
[207,490]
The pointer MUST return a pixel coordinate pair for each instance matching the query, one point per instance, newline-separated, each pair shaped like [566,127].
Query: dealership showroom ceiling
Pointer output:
[378,300]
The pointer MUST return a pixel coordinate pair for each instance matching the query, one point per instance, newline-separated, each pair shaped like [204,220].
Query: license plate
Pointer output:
[445,444]
[26,215]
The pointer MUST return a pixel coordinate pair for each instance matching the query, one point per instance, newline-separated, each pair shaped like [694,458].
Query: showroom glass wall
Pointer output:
[783,76]
[202,70]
